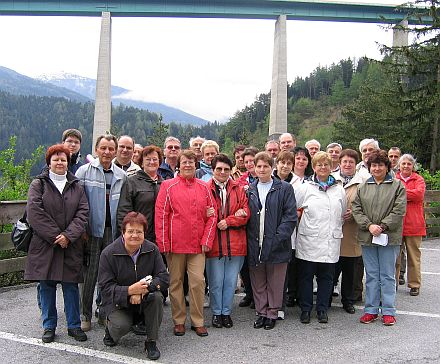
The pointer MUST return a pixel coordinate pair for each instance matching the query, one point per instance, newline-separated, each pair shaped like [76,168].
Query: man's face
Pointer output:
[106,151]
[334,153]
[273,149]
[239,162]
[366,151]
[195,147]
[287,143]
[125,150]
[313,149]
[172,149]
[393,156]
[73,144]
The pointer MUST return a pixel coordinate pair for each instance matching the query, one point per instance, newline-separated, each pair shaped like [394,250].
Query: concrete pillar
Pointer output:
[400,34]
[102,119]
[278,101]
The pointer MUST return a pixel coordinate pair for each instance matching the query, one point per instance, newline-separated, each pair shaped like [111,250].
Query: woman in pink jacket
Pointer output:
[185,233]
[414,226]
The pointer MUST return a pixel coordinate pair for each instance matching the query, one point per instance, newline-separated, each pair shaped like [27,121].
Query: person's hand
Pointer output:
[205,249]
[299,212]
[347,215]
[240,213]
[140,288]
[136,299]
[62,241]
[375,230]
[210,211]
[222,225]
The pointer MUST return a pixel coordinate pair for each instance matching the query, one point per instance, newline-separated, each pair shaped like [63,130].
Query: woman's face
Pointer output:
[322,169]
[133,237]
[58,163]
[406,168]
[222,171]
[263,171]
[301,162]
[208,154]
[348,166]
[187,167]
[249,163]
[378,171]
[284,167]
[150,163]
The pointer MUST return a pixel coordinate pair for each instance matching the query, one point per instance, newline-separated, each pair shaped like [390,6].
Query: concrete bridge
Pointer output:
[279,10]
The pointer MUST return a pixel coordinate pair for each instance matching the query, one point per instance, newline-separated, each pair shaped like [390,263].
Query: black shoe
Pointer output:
[259,322]
[246,301]
[269,324]
[108,340]
[305,317]
[290,301]
[153,352]
[322,317]
[77,334]
[217,321]
[349,308]
[401,280]
[252,305]
[48,335]
[139,329]
[227,321]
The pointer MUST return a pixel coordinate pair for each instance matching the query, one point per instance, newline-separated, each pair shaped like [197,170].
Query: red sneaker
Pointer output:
[368,318]
[388,320]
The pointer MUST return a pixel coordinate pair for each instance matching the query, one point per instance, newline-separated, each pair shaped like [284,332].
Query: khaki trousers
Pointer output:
[194,265]
[413,258]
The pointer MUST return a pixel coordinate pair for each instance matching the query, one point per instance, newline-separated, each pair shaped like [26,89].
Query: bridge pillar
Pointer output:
[400,34]
[278,98]
[102,118]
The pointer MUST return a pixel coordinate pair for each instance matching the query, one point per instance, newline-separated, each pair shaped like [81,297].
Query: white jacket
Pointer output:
[320,228]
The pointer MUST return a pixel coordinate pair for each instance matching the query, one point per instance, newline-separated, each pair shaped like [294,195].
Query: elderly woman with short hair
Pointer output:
[379,208]
[321,206]
[414,227]
[273,218]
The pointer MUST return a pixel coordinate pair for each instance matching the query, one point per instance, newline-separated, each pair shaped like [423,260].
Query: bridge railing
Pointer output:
[11,211]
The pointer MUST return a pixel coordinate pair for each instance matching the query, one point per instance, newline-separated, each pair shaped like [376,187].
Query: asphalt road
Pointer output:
[414,339]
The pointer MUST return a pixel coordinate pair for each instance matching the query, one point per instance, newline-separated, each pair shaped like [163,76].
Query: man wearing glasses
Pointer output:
[171,150]
[72,140]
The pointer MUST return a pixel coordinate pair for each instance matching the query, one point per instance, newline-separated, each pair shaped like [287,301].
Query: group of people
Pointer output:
[147,222]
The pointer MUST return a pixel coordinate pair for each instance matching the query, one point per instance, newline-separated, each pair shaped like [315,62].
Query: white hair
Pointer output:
[313,141]
[410,158]
[195,138]
[170,139]
[365,142]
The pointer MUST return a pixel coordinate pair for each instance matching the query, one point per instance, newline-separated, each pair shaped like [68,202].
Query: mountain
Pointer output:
[18,84]
[86,87]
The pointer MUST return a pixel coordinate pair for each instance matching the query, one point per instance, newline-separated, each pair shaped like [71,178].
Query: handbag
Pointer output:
[22,234]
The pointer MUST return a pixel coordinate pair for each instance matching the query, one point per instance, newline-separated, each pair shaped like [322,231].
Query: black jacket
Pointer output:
[279,223]
[139,193]
[117,272]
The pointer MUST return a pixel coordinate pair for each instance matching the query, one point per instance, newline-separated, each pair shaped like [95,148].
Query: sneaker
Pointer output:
[368,318]
[335,291]
[86,325]
[77,334]
[48,335]
[388,320]
[153,352]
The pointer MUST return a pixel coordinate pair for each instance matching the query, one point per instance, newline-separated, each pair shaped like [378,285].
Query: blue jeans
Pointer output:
[48,294]
[380,284]
[222,278]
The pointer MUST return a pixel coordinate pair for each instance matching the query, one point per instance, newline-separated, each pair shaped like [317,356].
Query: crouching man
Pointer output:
[131,275]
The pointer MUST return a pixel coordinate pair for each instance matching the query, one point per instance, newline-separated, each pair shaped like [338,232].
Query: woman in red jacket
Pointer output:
[414,222]
[185,233]
[229,249]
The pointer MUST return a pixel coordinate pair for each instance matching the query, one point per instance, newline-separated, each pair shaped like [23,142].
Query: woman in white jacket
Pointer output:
[321,204]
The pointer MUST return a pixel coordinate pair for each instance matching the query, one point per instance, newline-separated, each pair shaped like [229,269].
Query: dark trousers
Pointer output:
[324,277]
[346,266]
[292,277]
[358,279]
[119,322]
[245,277]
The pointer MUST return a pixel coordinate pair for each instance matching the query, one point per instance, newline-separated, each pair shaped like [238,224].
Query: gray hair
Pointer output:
[170,139]
[332,145]
[410,158]
[365,142]
[195,138]
[313,141]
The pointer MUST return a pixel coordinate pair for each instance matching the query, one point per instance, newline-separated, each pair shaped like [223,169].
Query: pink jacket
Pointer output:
[181,222]
[414,220]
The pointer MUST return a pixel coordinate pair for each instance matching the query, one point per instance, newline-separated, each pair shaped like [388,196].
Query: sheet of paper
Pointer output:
[382,239]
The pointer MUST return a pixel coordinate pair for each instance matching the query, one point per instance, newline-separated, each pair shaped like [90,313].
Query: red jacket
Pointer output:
[181,221]
[414,220]
[232,241]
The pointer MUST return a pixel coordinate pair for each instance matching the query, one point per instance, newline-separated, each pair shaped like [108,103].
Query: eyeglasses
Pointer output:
[152,160]
[187,163]
[134,232]
[222,170]
[171,147]
[325,165]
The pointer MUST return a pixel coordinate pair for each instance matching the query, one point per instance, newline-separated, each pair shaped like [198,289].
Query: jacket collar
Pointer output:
[140,174]
[388,179]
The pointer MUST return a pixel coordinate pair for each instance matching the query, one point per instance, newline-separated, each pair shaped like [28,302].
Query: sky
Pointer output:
[208,67]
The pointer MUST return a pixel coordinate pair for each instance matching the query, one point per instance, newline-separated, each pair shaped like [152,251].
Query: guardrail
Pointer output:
[11,211]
